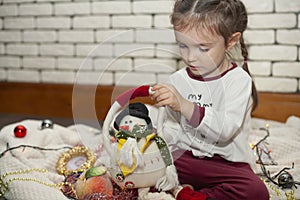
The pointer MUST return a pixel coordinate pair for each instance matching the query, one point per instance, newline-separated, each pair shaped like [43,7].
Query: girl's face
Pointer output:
[202,52]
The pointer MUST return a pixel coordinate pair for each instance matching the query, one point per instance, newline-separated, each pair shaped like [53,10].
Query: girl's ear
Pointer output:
[233,40]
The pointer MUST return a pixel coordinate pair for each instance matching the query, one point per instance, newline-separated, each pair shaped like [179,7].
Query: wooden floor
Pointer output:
[9,118]
[89,102]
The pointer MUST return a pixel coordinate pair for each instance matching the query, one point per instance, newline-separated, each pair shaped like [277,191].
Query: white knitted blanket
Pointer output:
[284,141]
[29,158]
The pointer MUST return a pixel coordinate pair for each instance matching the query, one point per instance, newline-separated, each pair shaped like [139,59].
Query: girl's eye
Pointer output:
[182,46]
[203,49]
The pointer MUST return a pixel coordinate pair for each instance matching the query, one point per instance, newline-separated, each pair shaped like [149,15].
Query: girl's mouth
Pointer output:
[194,68]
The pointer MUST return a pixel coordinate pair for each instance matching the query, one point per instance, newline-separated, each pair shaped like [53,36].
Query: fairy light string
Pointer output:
[271,179]
[32,147]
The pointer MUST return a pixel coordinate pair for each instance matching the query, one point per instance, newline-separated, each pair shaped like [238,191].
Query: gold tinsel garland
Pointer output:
[61,166]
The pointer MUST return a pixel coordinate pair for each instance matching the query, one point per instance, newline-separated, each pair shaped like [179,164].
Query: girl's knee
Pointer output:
[252,189]
[264,191]
[259,190]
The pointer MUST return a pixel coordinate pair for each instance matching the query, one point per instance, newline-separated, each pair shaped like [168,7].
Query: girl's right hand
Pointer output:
[167,95]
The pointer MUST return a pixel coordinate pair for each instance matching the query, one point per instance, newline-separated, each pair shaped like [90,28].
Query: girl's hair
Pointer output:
[221,17]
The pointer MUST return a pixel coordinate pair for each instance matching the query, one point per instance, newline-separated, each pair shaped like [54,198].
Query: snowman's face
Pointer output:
[128,122]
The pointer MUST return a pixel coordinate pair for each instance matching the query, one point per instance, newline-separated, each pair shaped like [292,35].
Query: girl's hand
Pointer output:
[167,95]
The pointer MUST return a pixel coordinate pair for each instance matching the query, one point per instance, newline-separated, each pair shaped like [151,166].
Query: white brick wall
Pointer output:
[22,49]
[260,68]
[56,76]
[91,22]
[155,36]
[288,37]
[167,51]
[259,36]
[272,21]
[39,36]
[276,84]
[155,65]
[74,63]
[115,35]
[132,21]
[131,42]
[8,10]
[35,9]
[162,21]
[10,62]
[151,7]
[120,64]
[257,6]
[76,36]
[17,1]
[95,50]
[286,69]
[134,50]
[3,75]
[19,23]
[92,77]
[2,49]
[134,78]
[287,5]
[53,22]
[74,8]
[111,7]
[273,52]
[23,75]
[10,36]
[55,49]
[39,62]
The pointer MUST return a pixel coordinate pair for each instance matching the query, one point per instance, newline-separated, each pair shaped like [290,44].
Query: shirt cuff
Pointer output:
[197,116]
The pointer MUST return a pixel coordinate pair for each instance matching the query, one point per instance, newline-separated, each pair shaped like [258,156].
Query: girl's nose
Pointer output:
[192,57]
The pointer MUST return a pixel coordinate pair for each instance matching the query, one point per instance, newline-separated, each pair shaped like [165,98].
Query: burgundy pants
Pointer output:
[218,178]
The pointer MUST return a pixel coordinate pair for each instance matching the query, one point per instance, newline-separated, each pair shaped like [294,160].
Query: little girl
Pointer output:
[211,100]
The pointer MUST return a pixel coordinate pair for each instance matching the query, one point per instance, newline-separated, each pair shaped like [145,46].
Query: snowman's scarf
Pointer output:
[132,156]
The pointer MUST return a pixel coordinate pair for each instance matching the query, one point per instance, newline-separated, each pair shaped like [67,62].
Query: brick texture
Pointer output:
[276,84]
[273,52]
[152,7]
[35,9]
[8,10]
[53,22]
[111,7]
[257,6]
[287,6]
[131,42]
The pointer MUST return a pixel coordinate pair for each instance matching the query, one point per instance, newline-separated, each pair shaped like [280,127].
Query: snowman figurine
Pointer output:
[141,157]
[132,124]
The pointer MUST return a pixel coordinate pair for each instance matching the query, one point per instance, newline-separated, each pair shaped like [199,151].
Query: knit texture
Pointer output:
[28,158]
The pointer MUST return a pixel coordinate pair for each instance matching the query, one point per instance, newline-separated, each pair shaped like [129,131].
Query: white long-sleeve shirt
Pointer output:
[221,120]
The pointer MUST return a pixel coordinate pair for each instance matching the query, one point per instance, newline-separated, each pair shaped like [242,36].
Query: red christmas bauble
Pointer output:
[20,131]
